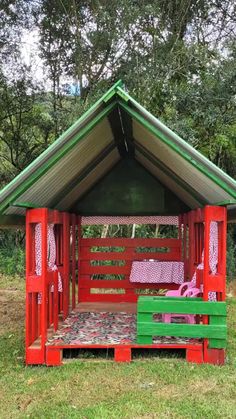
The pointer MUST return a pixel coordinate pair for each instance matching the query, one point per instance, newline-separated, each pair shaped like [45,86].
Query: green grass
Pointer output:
[158,387]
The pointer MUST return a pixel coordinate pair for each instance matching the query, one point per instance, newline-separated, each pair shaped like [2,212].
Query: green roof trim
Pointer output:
[226,202]
[24,205]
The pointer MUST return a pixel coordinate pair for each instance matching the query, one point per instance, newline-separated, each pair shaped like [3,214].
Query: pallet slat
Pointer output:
[184,330]
[215,330]
[129,255]
[122,283]
[182,306]
[125,242]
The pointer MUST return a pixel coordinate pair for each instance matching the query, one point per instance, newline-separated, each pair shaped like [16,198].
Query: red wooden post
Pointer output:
[53,357]
[123,354]
[44,265]
[185,249]
[214,356]
[78,255]
[36,314]
[73,261]
[28,335]
[191,244]
[195,354]
[66,263]
[55,301]
[222,253]
[214,282]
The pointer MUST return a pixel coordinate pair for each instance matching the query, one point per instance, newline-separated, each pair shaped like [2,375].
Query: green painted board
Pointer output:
[182,330]
[217,320]
[144,340]
[217,343]
[149,298]
[183,307]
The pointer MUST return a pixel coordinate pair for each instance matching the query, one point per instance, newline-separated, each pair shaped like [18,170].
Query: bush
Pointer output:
[12,261]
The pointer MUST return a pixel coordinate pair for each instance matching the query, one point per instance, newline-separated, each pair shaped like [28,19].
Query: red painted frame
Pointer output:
[74,256]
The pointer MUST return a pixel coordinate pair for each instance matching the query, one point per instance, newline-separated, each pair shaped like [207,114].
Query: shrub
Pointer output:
[12,261]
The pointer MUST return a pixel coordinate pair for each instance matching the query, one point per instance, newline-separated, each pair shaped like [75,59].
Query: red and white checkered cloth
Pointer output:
[158,219]
[213,257]
[157,272]
[51,254]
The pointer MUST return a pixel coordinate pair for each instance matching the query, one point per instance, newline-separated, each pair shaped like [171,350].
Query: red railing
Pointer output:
[198,222]
[105,266]
[45,305]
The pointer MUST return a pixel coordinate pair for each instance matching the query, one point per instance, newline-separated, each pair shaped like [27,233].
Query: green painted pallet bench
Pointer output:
[147,327]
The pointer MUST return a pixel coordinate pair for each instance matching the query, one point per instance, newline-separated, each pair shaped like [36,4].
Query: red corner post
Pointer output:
[215,282]
[43,303]
[73,258]
[36,314]
[66,263]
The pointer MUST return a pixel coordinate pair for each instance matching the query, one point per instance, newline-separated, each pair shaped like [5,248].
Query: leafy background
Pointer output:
[176,57]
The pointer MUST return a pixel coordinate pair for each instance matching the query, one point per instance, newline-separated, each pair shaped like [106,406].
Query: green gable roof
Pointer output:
[116,128]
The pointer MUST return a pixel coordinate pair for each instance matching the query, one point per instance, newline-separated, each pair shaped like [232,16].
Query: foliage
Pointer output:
[182,54]
[12,252]
[12,262]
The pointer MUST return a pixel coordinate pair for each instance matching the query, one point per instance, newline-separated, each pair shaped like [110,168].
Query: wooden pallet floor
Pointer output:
[109,325]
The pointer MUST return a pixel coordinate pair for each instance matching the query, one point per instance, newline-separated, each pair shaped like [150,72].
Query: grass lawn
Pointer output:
[155,387]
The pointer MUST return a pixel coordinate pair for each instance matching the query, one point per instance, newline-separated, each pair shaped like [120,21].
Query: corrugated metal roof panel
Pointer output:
[15,211]
[94,175]
[167,181]
[71,165]
[197,180]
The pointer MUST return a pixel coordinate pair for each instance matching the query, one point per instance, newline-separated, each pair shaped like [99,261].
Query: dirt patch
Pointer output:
[12,310]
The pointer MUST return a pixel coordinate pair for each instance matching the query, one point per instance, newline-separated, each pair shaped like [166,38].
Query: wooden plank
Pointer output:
[104,284]
[148,298]
[182,306]
[218,319]
[126,242]
[86,296]
[124,283]
[181,330]
[98,307]
[145,340]
[217,343]
[86,268]
[144,317]
[130,255]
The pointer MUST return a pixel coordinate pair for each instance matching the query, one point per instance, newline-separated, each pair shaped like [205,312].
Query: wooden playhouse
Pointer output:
[118,165]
